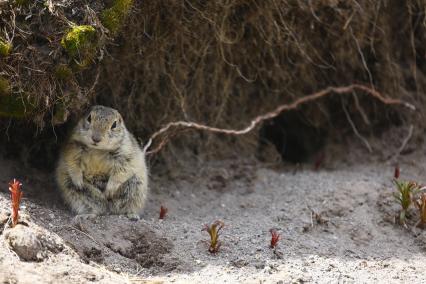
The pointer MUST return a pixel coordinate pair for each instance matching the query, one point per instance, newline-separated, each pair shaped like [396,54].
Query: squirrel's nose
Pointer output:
[96,139]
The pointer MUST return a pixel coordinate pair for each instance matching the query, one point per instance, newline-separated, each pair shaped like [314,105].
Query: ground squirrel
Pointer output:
[102,169]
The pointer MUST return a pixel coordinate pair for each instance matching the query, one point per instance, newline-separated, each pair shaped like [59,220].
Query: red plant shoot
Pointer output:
[163,212]
[275,237]
[319,161]
[213,231]
[15,196]
[396,172]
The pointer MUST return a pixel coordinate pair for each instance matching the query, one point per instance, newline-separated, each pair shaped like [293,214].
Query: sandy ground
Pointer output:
[353,239]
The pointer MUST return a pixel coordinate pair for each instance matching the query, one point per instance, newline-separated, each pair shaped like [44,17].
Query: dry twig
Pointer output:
[355,130]
[269,115]
[405,142]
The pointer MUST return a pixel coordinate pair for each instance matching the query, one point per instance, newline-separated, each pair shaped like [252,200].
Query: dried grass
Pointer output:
[221,63]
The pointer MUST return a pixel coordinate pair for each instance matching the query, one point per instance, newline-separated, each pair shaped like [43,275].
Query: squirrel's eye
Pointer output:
[89,118]
[114,125]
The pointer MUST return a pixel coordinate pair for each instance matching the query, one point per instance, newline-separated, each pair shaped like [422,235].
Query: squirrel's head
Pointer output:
[101,128]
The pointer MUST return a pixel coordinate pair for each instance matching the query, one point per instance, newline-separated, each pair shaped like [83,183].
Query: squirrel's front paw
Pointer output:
[108,194]
[110,189]
[78,181]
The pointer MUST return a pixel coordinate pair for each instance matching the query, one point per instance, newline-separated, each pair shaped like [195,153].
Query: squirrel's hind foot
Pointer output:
[133,217]
[83,217]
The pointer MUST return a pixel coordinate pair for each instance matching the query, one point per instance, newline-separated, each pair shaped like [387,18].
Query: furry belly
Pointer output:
[95,164]
[99,181]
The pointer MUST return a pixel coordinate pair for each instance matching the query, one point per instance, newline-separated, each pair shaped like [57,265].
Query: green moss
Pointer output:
[5,48]
[14,106]
[113,18]
[63,72]
[4,87]
[80,42]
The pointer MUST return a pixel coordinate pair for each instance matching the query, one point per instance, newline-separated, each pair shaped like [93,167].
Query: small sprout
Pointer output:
[275,237]
[421,205]
[15,196]
[396,172]
[213,231]
[319,219]
[163,212]
[404,196]
[5,48]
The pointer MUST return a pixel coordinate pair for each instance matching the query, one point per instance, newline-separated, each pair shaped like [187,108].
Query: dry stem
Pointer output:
[272,114]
